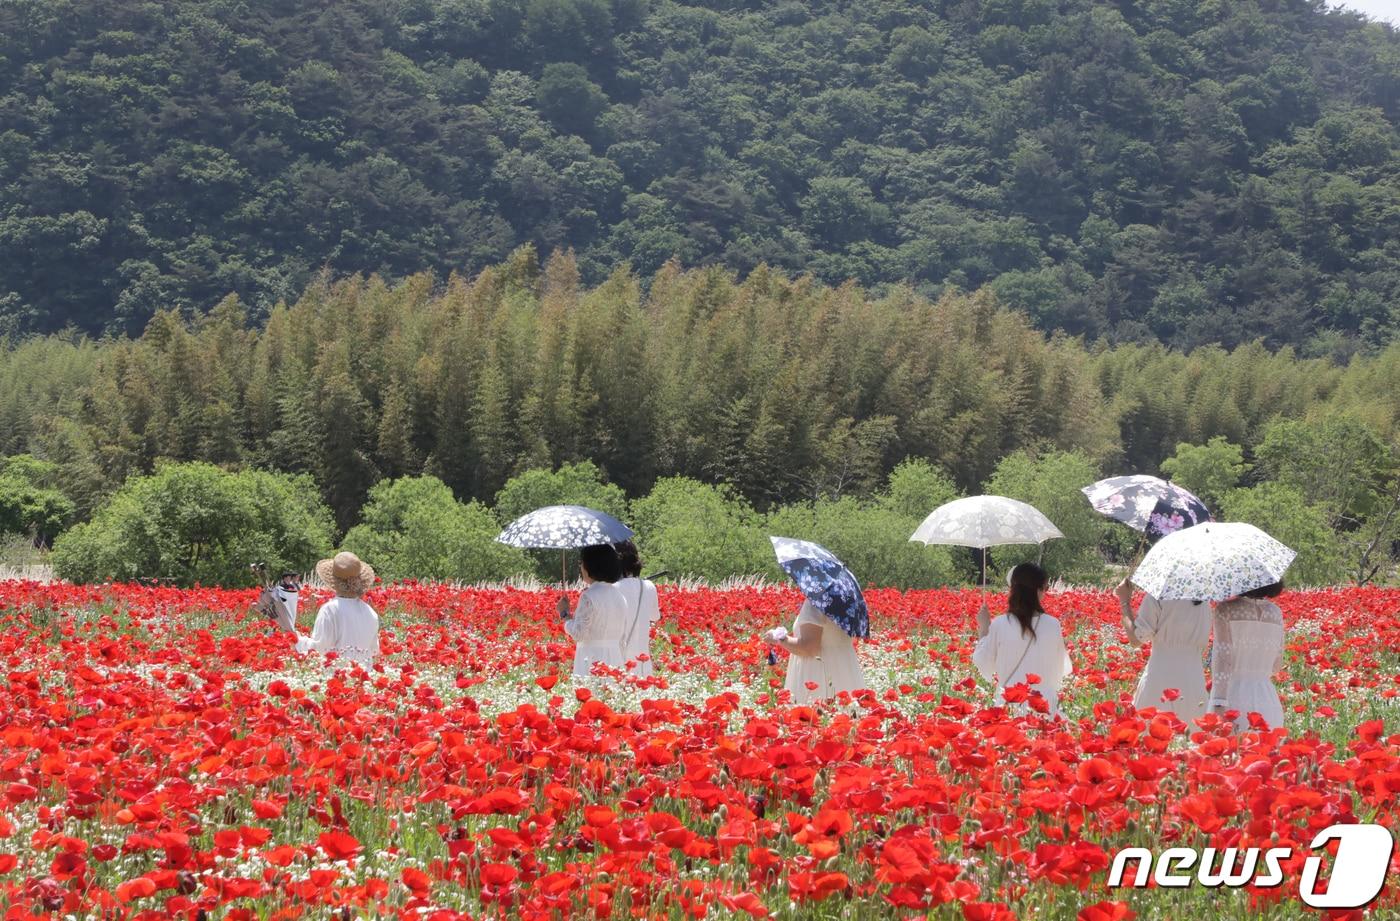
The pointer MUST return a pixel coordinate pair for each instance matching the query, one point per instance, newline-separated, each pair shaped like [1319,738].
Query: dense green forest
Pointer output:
[1186,171]
[768,395]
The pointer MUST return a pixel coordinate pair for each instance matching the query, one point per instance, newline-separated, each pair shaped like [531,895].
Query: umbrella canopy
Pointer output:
[826,582]
[985,521]
[1212,562]
[1148,504]
[564,527]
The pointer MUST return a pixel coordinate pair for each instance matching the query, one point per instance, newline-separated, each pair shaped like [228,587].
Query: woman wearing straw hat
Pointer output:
[345,625]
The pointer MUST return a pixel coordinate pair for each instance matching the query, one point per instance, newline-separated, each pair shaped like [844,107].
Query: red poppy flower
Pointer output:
[339,845]
[1107,911]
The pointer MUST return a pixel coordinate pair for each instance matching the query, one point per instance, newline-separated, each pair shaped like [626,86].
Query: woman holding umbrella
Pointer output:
[822,659]
[1179,630]
[599,622]
[1242,567]
[1025,641]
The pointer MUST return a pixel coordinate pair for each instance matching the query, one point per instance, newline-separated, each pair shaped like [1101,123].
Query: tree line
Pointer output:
[784,394]
[1159,170]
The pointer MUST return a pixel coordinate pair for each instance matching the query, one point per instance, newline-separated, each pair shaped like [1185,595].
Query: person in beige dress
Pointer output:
[822,658]
[1179,632]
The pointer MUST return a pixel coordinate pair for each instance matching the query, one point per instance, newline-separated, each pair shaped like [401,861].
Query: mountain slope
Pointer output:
[1172,169]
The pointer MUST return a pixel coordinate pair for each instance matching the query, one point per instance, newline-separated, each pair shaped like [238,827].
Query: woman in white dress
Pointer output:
[821,657]
[1024,641]
[1248,652]
[1179,632]
[599,622]
[644,609]
[345,625]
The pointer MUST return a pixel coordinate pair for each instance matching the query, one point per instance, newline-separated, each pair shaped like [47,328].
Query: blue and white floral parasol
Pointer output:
[826,582]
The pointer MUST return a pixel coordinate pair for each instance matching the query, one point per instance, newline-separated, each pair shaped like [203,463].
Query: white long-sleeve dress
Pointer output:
[835,668]
[1179,632]
[1248,651]
[1006,656]
[347,627]
[597,627]
[644,609]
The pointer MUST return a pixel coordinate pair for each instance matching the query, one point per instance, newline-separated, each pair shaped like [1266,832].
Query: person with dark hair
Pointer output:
[1179,632]
[1248,652]
[1024,641]
[599,621]
[644,609]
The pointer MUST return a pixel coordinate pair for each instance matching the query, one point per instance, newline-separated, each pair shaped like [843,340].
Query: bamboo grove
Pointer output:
[785,389]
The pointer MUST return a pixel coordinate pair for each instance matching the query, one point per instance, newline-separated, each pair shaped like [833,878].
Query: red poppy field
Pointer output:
[164,753]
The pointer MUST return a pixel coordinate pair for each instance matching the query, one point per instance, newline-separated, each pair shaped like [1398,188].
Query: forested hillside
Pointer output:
[1191,172]
[784,390]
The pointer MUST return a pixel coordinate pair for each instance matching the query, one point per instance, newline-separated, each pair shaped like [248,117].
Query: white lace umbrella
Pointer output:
[1212,562]
[985,521]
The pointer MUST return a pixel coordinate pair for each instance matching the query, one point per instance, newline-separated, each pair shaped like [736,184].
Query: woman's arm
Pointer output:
[1062,652]
[807,643]
[580,623]
[324,635]
[1124,591]
[984,657]
[651,601]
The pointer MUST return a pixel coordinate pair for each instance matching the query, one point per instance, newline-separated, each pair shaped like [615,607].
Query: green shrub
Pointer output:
[414,528]
[195,523]
[1210,470]
[571,484]
[31,500]
[689,528]
[1052,483]
[915,488]
[871,539]
[1282,511]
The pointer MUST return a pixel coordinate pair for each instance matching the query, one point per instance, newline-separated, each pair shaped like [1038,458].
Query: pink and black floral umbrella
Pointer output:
[1148,504]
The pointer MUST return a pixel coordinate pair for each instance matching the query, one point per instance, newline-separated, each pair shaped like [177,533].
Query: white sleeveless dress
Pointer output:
[1248,652]
[833,670]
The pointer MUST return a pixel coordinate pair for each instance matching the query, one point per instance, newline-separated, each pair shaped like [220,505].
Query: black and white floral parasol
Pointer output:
[564,527]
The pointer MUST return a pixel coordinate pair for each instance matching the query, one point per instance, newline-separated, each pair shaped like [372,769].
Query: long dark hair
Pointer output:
[1023,600]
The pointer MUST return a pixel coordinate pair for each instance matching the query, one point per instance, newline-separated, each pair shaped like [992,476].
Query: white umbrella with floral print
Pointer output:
[985,521]
[1212,562]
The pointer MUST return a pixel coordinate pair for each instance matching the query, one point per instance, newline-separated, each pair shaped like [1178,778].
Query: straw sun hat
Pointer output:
[347,574]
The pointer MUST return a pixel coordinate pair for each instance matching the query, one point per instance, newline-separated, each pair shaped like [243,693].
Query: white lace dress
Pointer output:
[1179,632]
[1248,651]
[597,627]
